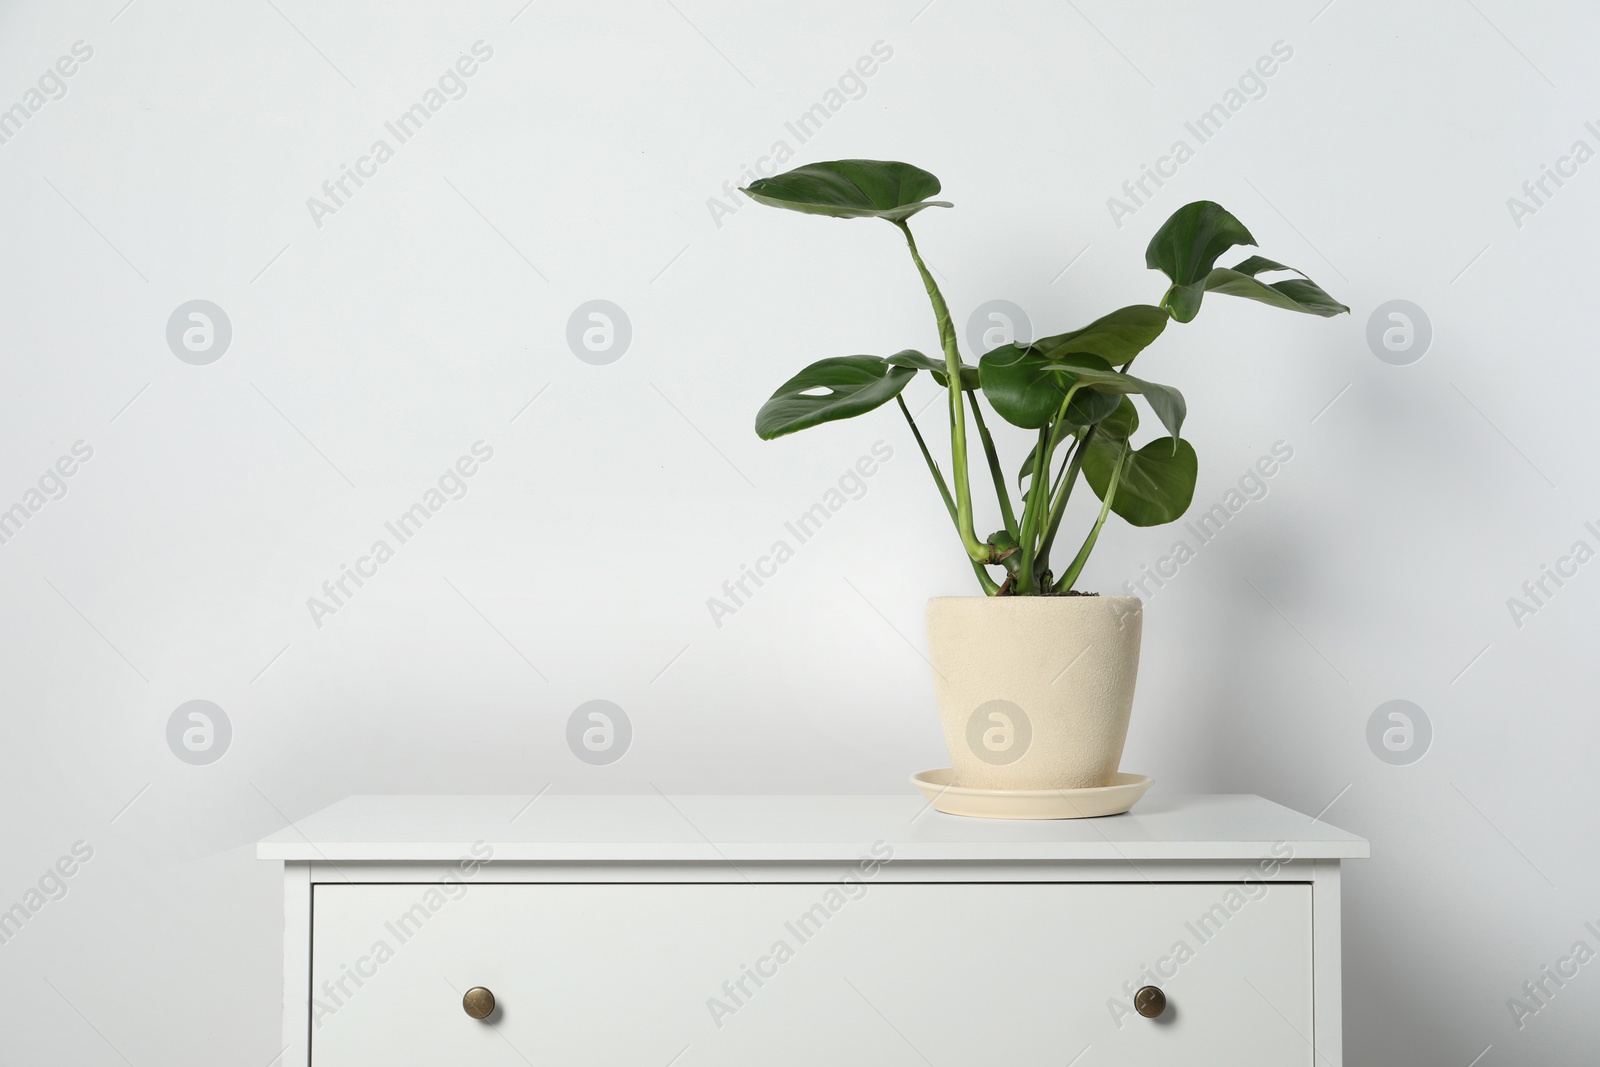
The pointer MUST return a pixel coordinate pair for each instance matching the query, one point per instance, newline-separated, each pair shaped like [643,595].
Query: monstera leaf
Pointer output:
[936,367]
[1020,386]
[1027,389]
[1186,249]
[1292,294]
[1092,371]
[1089,406]
[1115,338]
[851,189]
[840,387]
[1120,424]
[1157,482]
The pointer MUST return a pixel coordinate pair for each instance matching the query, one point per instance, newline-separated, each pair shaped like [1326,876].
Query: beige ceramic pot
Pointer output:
[1035,692]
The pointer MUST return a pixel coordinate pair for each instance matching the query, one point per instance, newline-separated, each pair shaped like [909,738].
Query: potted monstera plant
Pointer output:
[1034,678]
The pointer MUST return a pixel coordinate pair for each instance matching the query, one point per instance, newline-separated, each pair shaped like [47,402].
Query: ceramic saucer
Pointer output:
[1114,799]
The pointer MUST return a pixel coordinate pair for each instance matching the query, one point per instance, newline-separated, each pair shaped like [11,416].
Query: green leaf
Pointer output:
[1187,247]
[840,387]
[1121,424]
[1157,483]
[1115,338]
[936,367]
[850,189]
[1027,389]
[1293,294]
[1117,423]
[1092,371]
[1021,386]
[1089,406]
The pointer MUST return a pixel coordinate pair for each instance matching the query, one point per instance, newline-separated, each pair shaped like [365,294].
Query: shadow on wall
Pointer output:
[1235,730]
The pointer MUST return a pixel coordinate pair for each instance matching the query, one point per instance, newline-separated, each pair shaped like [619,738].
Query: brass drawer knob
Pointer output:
[1149,1002]
[478,1002]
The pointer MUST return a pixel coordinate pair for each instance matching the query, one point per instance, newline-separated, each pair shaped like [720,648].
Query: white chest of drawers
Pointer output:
[712,931]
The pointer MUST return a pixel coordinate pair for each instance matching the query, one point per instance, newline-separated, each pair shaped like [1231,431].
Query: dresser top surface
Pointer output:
[656,828]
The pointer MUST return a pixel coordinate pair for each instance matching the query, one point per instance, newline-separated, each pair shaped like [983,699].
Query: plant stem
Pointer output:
[976,549]
[1082,557]
[1039,489]
[1069,478]
[1166,298]
[933,468]
[1006,514]
[1030,510]
[988,583]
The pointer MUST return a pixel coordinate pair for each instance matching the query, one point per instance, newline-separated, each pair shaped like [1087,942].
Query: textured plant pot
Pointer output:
[1035,692]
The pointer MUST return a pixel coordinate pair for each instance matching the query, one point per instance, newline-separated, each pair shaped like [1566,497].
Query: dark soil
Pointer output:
[1069,592]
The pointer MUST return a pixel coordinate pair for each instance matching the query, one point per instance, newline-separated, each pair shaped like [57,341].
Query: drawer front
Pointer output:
[897,975]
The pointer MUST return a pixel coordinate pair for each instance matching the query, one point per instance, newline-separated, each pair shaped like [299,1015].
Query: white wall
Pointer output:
[372,350]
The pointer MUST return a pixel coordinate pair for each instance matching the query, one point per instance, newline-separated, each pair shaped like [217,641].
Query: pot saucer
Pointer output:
[1114,799]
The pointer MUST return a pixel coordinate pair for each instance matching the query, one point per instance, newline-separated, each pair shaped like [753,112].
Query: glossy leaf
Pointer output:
[1020,385]
[1293,294]
[1121,424]
[850,189]
[1116,337]
[1027,389]
[936,367]
[1089,406]
[840,387]
[1164,400]
[1187,247]
[1157,483]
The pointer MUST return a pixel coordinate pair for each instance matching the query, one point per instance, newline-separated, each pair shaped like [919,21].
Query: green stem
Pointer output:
[1069,478]
[1030,510]
[1006,514]
[989,585]
[1082,557]
[1039,489]
[976,549]
[1166,299]
[933,468]
[1055,486]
